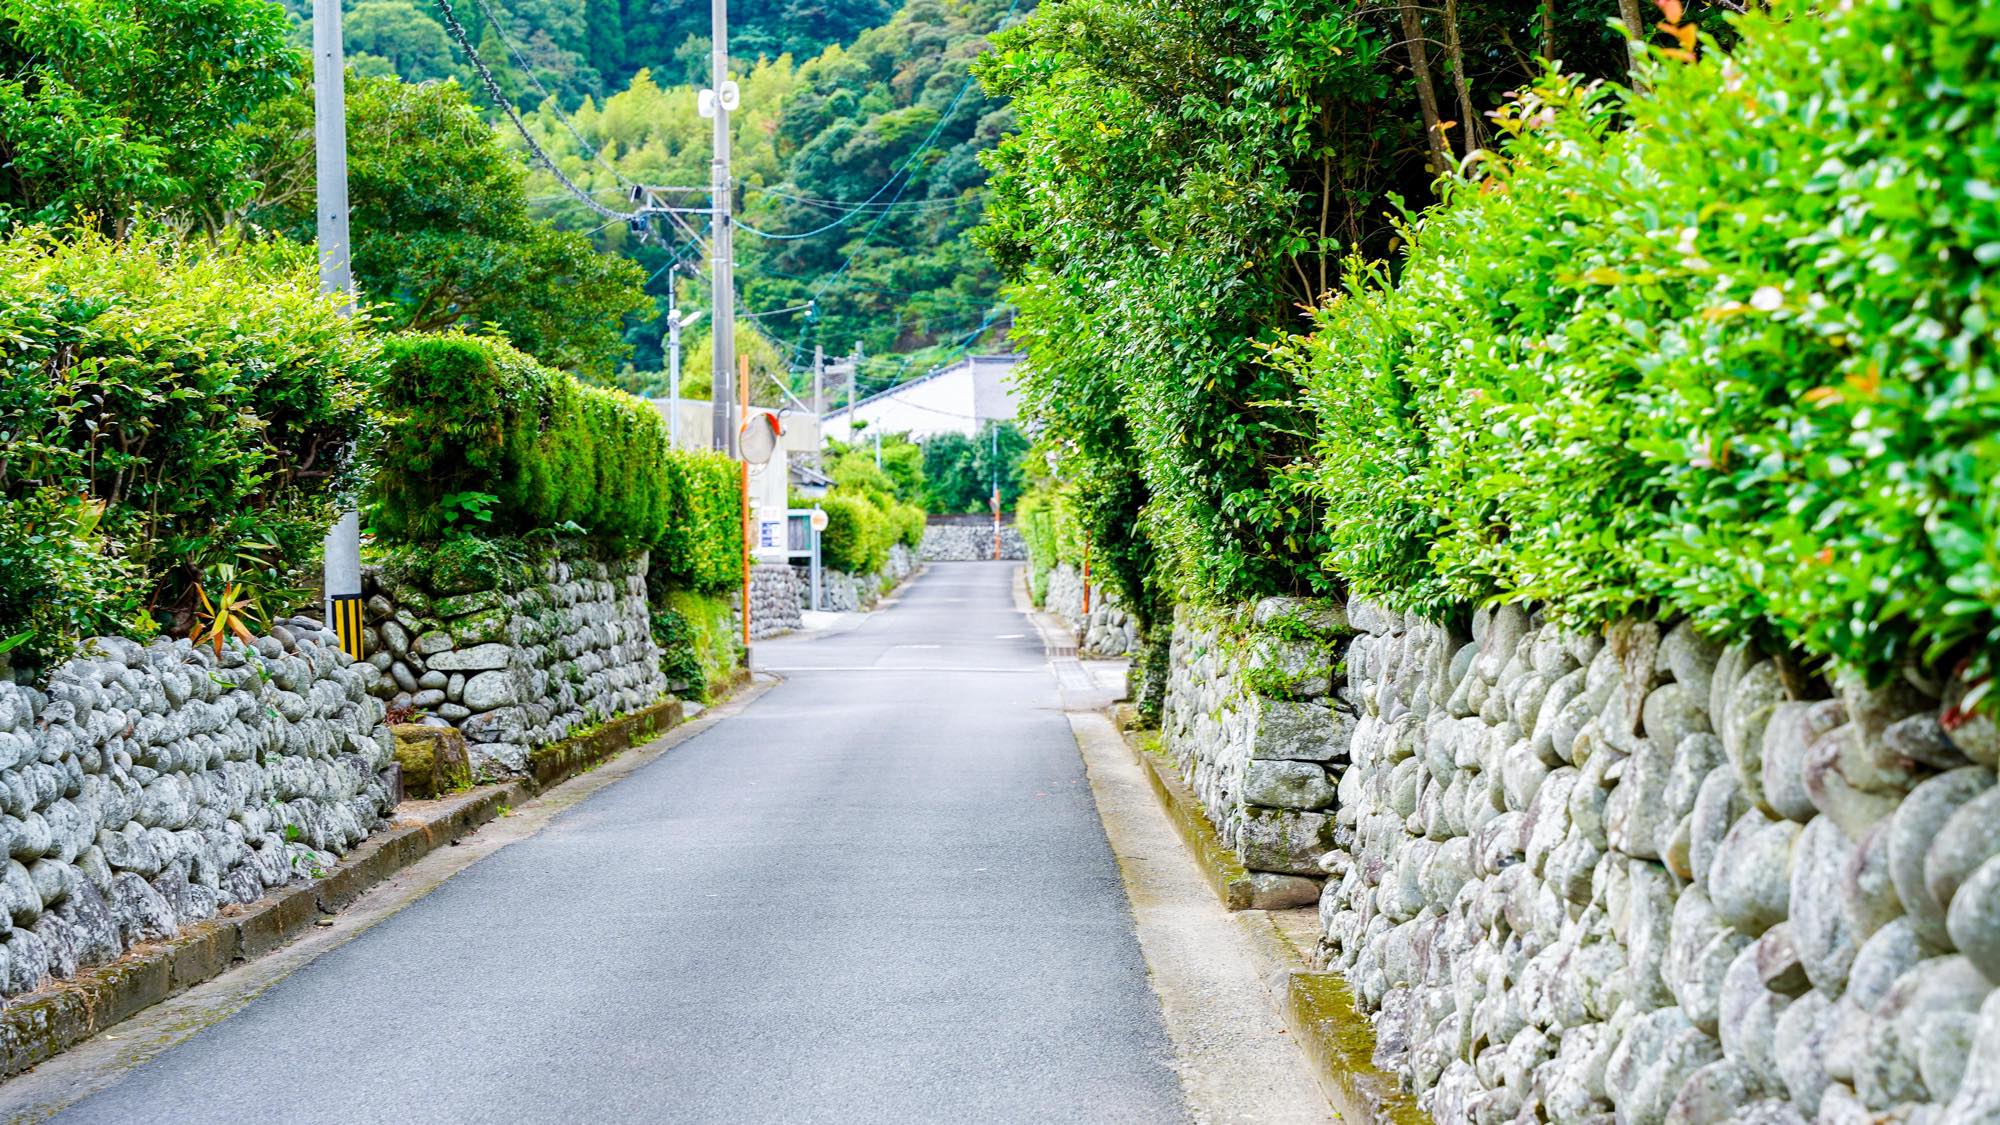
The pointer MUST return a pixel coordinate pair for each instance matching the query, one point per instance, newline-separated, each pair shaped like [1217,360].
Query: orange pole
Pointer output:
[743,468]
[1086,574]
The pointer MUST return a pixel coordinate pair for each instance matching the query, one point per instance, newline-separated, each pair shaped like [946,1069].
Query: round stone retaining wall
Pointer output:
[144,787]
[970,542]
[1107,630]
[1644,877]
[519,667]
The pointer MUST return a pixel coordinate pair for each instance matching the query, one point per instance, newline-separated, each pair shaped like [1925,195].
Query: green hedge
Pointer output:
[479,437]
[702,547]
[1721,348]
[170,414]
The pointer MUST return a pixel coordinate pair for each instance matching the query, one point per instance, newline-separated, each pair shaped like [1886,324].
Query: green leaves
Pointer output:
[1733,360]
[166,409]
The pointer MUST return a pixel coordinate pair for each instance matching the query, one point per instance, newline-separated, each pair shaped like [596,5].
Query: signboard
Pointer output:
[819,519]
[771,535]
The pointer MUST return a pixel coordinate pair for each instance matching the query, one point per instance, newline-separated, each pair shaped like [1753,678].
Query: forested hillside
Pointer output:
[857,151]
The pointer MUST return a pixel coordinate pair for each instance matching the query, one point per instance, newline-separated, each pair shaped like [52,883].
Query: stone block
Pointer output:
[1300,730]
[1284,841]
[1287,785]
[433,759]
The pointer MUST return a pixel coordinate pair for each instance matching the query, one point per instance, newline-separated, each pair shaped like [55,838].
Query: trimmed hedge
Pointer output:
[702,546]
[1723,348]
[169,414]
[480,437]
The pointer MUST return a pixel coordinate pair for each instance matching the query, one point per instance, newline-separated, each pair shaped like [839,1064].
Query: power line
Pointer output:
[457,32]
[549,99]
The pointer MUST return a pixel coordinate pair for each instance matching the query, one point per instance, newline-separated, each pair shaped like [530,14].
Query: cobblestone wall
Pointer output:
[775,599]
[1107,630]
[1257,722]
[145,787]
[1642,877]
[518,667]
[959,542]
[841,592]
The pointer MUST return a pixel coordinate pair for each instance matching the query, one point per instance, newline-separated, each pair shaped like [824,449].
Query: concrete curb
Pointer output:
[1219,865]
[1316,1006]
[42,1024]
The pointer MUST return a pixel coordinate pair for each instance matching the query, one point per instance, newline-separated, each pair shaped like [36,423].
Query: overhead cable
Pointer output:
[457,32]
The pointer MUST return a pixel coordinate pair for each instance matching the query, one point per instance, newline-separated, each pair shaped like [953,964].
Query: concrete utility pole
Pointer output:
[853,370]
[719,100]
[342,549]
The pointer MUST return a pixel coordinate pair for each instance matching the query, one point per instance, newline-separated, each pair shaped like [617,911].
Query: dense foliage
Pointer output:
[171,417]
[1186,179]
[870,510]
[478,437]
[443,235]
[702,546]
[961,471]
[1048,523]
[588,49]
[1732,358]
[108,110]
[697,634]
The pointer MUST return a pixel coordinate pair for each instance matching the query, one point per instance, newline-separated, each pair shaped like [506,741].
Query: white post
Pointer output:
[674,373]
[342,549]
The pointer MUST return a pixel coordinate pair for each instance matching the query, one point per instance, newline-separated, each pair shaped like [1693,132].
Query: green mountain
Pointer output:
[857,148]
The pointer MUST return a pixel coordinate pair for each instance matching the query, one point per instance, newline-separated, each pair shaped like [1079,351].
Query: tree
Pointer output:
[395,37]
[442,235]
[962,470]
[108,110]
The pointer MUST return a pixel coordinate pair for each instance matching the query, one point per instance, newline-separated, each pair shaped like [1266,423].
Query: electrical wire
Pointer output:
[549,99]
[457,32]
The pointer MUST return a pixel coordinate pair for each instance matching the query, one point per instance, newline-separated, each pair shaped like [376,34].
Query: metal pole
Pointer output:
[743,469]
[673,364]
[853,368]
[723,332]
[342,549]
[815,567]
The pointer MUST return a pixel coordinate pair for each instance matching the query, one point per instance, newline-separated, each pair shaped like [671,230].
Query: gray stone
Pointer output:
[1288,668]
[1818,917]
[1793,728]
[489,690]
[1974,919]
[1921,738]
[1287,785]
[432,643]
[1969,838]
[1300,730]
[1283,841]
[1270,891]
[1690,658]
[1751,889]
[1978,1096]
[1868,890]
[481,658]
[1326,618]
[1913,829]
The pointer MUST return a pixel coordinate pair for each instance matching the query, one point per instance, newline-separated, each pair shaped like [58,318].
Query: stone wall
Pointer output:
[1256,720]
[970,542]
[145,787]
[1107,630]
[517,667]
[775,599]
[841,592]
[1642,877]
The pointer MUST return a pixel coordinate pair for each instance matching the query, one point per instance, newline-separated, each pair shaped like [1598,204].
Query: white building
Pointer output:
[955,399]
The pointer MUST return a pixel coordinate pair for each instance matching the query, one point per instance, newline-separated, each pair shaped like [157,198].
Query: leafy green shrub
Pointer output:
[857,535]
[166,410]
[702,546]
[909,523]
[697,638]
[463,414]
[1733,359]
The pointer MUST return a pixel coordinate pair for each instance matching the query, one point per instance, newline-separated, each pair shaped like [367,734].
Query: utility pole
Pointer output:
[853,370]
[819,402]
[342,549]
[717,102]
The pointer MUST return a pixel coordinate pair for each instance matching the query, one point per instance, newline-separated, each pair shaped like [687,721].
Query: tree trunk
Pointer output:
[1468,124]
[1549,29]
[1635,23]
[1420,66]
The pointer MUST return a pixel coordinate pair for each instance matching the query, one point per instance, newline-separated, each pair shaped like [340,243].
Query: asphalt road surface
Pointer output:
[879,894]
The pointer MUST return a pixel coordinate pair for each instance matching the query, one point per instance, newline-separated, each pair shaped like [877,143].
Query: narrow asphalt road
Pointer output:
[880,894]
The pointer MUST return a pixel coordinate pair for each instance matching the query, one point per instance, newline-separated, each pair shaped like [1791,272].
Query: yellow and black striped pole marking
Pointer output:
[347,623]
